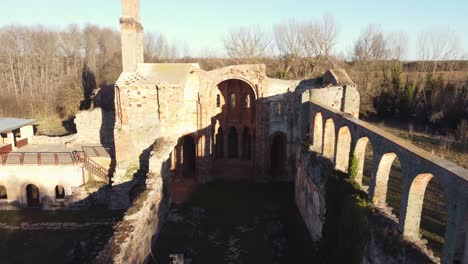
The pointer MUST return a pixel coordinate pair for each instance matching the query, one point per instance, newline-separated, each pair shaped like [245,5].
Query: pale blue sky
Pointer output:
[202,23]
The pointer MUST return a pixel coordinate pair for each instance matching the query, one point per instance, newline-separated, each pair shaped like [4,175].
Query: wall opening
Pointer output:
[246,144]
[220,143]
[32,195]
[343,149]
[3,193]
[218,100]
[426,213]
[388,186]
[329,139]
[189,156]
[232,143]
[278,155]
[59,192]
[364,154]
[318,133]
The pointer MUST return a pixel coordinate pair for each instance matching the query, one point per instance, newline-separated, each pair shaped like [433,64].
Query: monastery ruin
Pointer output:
[183,126]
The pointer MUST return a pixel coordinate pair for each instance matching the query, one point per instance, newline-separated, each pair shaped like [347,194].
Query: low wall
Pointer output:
[16,178]
[134,235]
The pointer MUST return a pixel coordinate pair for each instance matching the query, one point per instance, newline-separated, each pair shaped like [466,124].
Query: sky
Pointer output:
[202,24]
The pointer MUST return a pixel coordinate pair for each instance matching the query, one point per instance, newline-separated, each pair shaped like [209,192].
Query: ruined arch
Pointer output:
[388,182]
[426,210]
[363,153]
[329,139]
[343,149]
[188,156]
[32,195]
[415,204]
[278,154]
[381,178]
[318,133]
[3,192]
[59,192]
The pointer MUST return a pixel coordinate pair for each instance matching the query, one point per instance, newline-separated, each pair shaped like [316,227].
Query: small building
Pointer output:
[15,133]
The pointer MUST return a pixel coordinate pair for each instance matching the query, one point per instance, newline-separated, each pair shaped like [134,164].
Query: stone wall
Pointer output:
[134,235]
[384,242]
[310,194]
[46,178]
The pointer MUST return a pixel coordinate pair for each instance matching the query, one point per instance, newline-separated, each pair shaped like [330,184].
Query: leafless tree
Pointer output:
[370,46]
[246,43]
[397,44]
[289,40]
[438,45]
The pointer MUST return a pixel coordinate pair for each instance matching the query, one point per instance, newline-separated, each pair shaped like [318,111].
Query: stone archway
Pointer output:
[3,193]
[343,149]
[363,153]
[189,156]
[59,192]
[278,155]
[318,133]
[32,195]
[234,120]
[329,139]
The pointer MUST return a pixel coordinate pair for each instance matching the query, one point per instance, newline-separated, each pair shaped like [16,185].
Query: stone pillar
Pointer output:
[27,132]
[10,139]
[457,213]
[132,35]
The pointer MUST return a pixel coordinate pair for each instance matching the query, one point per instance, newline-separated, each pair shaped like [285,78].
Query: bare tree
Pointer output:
[438,45]
[246,43]
[370,46]
[397,44]
[155,46]
[289,40]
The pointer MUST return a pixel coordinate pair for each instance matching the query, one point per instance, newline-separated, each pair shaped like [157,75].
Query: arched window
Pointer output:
[247,101]
[32,195]
[279,109]
[278,155]
[3,192]
[218,100]
[233,100]
[220,143]
[59,192]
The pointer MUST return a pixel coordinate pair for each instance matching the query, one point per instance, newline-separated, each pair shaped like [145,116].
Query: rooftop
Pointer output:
[11,123]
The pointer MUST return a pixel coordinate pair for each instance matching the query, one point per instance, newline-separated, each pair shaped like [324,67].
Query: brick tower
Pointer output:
[132,35]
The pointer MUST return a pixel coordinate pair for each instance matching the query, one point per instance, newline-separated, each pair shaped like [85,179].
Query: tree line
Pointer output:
[46,73]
